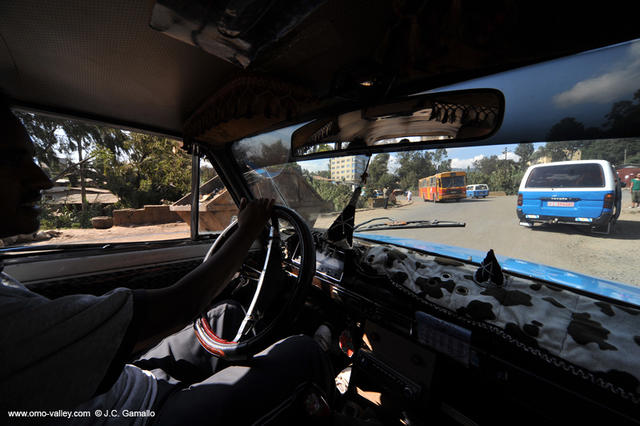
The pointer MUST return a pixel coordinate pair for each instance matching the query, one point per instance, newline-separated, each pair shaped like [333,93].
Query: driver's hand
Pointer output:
[253,215]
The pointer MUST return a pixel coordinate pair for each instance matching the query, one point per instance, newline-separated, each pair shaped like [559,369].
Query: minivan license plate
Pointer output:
[560,203]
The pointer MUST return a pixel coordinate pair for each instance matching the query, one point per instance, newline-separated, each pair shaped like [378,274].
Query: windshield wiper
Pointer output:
[399,224]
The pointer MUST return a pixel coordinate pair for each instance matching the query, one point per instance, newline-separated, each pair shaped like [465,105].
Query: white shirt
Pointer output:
[134,391]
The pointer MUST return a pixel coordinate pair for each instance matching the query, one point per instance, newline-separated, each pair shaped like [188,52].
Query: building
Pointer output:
[571,156]
[64,195]
[348,169]
[627,171]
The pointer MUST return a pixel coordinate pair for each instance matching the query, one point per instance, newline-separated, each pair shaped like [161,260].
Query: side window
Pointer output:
[110,185]
[216,207]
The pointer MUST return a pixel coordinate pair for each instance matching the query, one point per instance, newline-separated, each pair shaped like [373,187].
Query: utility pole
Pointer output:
[505,152]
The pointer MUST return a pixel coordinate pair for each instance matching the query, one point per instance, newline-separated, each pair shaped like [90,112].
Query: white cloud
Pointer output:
[463,163]
[512,156]
[604,88]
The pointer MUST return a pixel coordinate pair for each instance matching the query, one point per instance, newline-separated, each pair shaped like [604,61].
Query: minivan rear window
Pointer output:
[567,176]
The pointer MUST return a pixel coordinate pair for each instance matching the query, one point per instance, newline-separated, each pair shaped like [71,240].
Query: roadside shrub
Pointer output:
[53,217]
[65,216]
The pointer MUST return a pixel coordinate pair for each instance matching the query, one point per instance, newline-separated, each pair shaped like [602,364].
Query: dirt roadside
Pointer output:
[118,234]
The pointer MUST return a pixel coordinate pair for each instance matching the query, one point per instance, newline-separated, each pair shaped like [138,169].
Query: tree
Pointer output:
[439,158]
[152,170]
[379,166]
[42,131]
[524,151]
[559,151]
[500,175]
[624,118]
[258,154]
[53,137]
[565,130]
[635,159]
[622,121]
[416,165]
[139,168]
[79,137]
[412,167]
[486,165]
[506,177]
[379,176]
[615,153]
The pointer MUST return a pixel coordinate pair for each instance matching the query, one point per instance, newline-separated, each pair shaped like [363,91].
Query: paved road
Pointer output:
[492,223]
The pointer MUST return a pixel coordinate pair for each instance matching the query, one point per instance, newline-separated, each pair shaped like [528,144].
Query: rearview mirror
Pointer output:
[416,122]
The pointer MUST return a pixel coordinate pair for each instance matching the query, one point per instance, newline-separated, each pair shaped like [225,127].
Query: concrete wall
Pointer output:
[214,214]
[149,215]
[376,202]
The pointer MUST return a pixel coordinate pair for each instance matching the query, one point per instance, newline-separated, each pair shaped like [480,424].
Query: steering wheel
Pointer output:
[244,344]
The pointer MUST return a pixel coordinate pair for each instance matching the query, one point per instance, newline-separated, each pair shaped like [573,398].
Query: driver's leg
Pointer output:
[244,394]
[181,358]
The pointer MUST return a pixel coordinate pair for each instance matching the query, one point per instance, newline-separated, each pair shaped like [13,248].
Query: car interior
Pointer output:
[421,334]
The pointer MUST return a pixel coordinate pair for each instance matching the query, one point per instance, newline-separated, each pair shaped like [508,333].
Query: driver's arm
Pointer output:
[162,312]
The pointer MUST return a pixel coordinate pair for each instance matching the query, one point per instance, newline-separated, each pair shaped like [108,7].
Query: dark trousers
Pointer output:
[194,387]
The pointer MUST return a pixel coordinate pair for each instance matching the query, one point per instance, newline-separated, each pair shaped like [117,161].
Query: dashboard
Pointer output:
[420,332]
[411,355]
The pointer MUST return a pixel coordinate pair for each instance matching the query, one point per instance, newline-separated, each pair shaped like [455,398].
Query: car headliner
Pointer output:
[100,60]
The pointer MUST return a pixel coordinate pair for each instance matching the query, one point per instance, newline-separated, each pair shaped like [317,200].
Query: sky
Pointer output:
[460,157]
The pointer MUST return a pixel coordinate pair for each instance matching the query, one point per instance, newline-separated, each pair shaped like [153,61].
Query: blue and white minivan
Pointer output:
[585,192]
[477,191]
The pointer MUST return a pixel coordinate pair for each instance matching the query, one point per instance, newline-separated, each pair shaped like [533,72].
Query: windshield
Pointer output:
[569,232]
[452,181]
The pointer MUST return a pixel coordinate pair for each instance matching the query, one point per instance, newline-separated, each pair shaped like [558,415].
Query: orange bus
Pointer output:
[443,186]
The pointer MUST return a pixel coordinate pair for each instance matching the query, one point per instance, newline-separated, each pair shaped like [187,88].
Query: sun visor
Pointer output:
[246,106]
